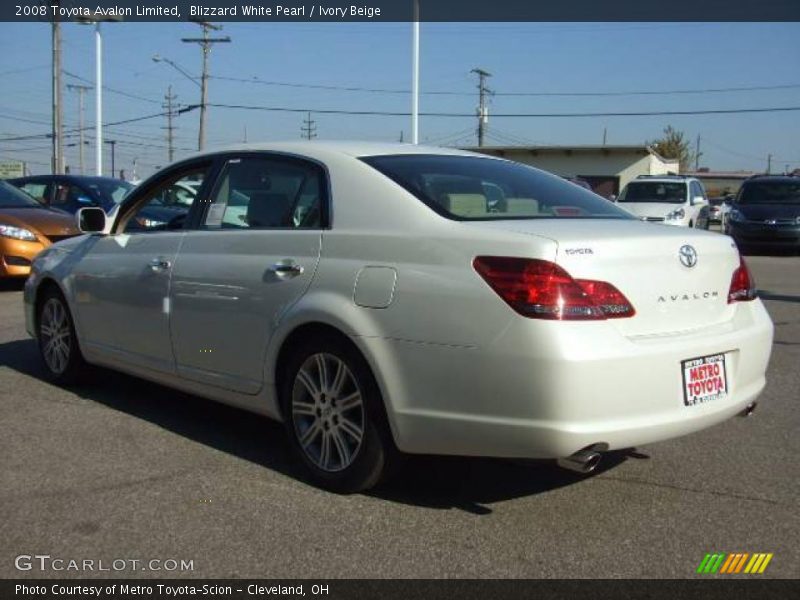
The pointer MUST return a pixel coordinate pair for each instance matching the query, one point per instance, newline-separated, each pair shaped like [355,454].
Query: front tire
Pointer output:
[333,414]
[58,344]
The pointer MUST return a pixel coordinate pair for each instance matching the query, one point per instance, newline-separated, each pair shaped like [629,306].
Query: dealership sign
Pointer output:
[12,168]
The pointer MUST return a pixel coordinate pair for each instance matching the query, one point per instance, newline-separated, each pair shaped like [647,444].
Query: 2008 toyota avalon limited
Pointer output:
[373,299]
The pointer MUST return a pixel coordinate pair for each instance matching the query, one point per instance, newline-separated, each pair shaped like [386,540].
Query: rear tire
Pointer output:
[333,413]
[58,344]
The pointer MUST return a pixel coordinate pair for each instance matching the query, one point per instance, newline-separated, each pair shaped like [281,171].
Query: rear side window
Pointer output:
[469,188]
[37,190]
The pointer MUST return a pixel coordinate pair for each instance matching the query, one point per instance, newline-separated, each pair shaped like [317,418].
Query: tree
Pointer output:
[674,145]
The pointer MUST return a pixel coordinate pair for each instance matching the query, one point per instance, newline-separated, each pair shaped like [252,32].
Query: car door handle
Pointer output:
[159,265]
[286,269]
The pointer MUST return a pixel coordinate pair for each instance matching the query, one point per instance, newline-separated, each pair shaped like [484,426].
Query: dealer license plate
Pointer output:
[704,379]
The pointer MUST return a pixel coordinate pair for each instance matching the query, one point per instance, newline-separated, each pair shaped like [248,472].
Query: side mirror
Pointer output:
[698,200]
[91,219]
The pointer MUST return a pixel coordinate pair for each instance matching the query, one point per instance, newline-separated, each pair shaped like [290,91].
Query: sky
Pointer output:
[523,58]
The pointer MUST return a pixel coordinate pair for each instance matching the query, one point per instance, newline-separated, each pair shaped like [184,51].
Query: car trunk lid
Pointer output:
[643,261]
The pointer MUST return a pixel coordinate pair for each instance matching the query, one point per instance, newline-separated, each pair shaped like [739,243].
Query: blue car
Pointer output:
[73,192]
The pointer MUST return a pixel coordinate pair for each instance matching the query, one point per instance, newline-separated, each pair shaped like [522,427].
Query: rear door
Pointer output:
[252,256]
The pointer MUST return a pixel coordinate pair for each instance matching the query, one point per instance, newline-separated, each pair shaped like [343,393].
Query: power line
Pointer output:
[257,81]
[380,113]
[111,124]
[110,89]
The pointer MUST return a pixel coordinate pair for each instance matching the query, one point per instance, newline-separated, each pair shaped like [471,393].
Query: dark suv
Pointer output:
[766,213]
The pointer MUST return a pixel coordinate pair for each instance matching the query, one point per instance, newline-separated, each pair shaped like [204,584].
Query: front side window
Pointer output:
[70,197]
[110,192]
[697,190]
[480,189]
[159,211]
[654,191]
[768,192]
[267,193]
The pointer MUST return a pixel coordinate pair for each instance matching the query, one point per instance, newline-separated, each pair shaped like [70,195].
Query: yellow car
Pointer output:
[26,228]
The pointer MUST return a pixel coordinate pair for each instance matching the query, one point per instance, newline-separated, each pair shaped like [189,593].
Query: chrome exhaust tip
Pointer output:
[749,410]
[583,461]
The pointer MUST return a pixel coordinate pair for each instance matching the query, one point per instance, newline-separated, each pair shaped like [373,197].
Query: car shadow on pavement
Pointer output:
[428,481]
[12,285]
[470,484]
[767,295]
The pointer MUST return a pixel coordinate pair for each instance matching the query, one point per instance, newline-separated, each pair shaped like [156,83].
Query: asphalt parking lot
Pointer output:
[125,469]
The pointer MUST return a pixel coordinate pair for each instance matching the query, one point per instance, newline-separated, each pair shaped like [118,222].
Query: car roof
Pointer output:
[70,177]
[661,180]
[355,149]
[768,178]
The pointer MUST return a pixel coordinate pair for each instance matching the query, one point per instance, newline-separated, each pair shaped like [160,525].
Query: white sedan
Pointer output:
[373,299]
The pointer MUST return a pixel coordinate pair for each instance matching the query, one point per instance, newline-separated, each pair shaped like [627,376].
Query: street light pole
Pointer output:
[98,95]
[415,78]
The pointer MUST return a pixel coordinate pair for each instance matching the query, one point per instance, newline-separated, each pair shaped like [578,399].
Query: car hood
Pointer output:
[650,209]
[44,221]
[759,212]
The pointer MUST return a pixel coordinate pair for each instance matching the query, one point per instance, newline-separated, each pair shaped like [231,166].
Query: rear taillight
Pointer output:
[743,286]
[542,290]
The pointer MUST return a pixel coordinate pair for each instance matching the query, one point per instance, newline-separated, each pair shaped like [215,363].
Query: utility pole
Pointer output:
[483,109]
[58,114]
[113,144]
[605,135]
[697,154]
[81,89]
[170,128]
[769,164]
[206,42]
[309,128]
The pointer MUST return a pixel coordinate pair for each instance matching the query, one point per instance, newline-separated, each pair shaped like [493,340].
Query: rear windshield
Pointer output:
[469,188]
[11,197]
[654,191]
[771,193]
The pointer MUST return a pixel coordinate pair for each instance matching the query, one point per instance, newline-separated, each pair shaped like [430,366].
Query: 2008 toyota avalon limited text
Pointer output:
[389,299]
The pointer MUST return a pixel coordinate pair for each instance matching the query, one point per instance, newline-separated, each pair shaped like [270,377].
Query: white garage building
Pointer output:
[606,168]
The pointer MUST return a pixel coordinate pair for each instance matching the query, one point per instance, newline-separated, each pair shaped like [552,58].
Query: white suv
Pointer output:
[669,199]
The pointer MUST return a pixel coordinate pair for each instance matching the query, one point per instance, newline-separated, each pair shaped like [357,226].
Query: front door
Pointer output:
[122,283]
[253,255]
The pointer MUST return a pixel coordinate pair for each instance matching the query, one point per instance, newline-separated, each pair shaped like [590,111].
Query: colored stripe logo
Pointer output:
[737,562]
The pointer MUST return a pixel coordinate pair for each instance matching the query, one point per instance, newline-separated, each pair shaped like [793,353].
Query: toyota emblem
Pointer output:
[688,256]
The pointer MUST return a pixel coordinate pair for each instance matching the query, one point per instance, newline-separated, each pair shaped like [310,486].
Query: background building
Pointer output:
[606,168]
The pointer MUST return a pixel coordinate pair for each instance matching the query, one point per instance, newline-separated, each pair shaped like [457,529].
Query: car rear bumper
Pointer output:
[548,396]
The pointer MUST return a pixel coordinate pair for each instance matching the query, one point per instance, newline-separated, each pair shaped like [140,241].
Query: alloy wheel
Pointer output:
[327,412]
[56,335]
